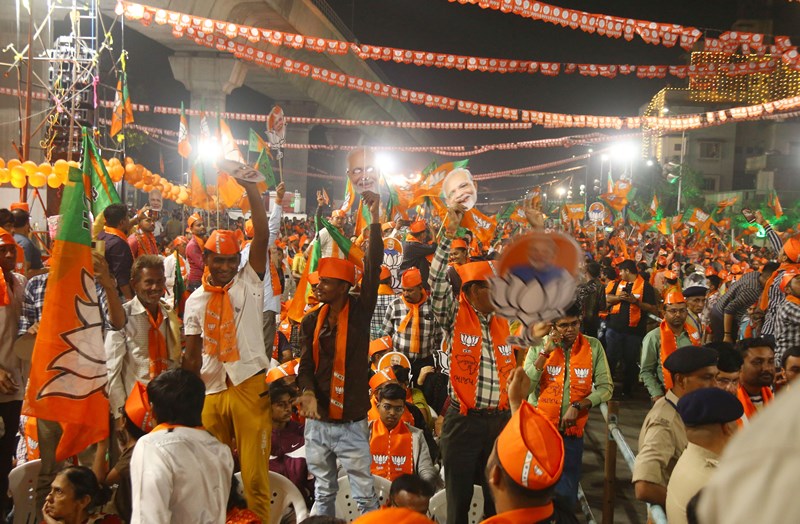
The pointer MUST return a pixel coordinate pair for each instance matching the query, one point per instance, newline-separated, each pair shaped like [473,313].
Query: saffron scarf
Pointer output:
[147,244]
[116,232]
[336,408]
[392,450]
[669,343]
[274,279]
[412,317]
[763,301]
[466,355]
[219,329]
[156,344]
[749,408]
[635,314]
[551,385]
[5,291]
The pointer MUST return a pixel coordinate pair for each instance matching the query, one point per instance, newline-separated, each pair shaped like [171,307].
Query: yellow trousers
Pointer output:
[242,419]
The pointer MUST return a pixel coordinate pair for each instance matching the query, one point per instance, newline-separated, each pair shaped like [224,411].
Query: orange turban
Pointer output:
[287,369]
[459,243]
[393,515]
[223,242]
[137,407]
[381,377]
[380,344]
[330,267]
[530,449]
[792,249]
[472,271]
[418,226]
[385,273]
[411,278]
[21,205]
[248,228]
[674,297]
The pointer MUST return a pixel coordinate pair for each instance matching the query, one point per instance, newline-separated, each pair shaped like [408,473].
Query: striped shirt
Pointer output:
[776,296]
[741,295]
[787,329]
[430,333]
[445,308]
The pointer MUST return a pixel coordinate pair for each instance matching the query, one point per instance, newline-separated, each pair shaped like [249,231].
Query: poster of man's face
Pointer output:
[276,127]
[155,200]
[362,171]
[459,188]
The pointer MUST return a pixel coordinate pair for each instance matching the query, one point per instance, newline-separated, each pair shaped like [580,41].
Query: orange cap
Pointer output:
[338,213]
[459,243]
[248,228]
[194,217]
[385,273]
[418,226]
[710,271]
[674,297]
[530,449]
[287,369]
[670,274]
[786,278]
[380,344]
[330,267]
[179,240]
[736,269]
[472,271]
[20,205]
[222,242]
[723,274]
[313,278]
[383,376]
[137,407]
[393,515]
[617,261]
[411,278]
[6,238]
[792,248]
[239,235]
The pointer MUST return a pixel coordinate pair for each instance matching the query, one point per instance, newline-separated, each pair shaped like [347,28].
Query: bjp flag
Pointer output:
[68,369]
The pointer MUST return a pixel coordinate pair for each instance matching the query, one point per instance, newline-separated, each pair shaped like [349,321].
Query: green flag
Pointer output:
[179,288]
[264,167]
[103,192]
[256,143]
[353,253]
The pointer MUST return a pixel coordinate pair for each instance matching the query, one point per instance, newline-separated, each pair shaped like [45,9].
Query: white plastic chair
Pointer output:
[285,494]
[22,485]
[346,507]
[437,507]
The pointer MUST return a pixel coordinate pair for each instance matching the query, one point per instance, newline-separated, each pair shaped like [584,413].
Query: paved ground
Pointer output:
[627,508]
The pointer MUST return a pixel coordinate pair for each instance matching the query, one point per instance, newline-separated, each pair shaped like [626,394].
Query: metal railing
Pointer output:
[616,440]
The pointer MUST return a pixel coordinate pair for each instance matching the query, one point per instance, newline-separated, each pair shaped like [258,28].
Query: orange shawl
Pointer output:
[219,330]
[392,451]
[551,385]
[749,408]
[669,343]
[412,317]
[467,350]
[116,232]
[336,408]
[637,291]
[156,345]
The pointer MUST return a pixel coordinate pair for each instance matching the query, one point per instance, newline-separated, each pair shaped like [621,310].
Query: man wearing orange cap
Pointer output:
[225,346]
[272,281]
[480,360]
[410,322]
[569,375]
[459,255]
[328,247]
[176,271]
[673,332]
[378,348]
[333,375]
[194,251]
[772,297]
[386,296]
[630,299]
[418,249]
[142,241]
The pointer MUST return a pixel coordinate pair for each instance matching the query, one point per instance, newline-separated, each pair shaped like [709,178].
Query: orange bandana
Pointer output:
[749,408]
[467,350]
[392,451]
[669,343]
[335,410]
[551,385]
[219,329]
[156,345]
[116,232]
[637,291]
[412,317]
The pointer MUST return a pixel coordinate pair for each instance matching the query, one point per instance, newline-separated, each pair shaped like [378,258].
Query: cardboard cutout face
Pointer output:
[239,171]
[155,200]
[459,188]
[362,171]
[276,128]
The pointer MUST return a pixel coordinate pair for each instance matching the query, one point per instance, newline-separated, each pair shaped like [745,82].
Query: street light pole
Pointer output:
[680,168]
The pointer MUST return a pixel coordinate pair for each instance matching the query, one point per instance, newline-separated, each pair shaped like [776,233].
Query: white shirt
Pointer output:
[128,353]
[181,475]
[247,297]
[271,302]
[9,324]
[326,244]
[169,273]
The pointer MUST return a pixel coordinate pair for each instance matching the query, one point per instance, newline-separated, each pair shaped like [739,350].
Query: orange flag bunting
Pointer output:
[68,368]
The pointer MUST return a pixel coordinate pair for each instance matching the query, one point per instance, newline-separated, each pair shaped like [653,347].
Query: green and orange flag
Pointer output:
[96,182]
[68,369]
[123,109]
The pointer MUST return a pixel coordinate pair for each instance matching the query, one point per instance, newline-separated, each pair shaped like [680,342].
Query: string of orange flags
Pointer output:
[728,42]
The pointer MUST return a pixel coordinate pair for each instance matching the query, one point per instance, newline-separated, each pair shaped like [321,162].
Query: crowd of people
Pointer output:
[398,366]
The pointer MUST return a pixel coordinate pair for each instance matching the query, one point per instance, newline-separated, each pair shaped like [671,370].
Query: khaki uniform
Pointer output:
[690,475]
[661,442]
